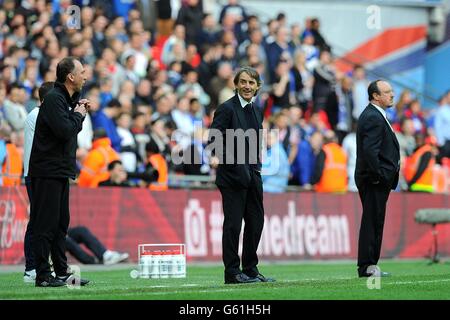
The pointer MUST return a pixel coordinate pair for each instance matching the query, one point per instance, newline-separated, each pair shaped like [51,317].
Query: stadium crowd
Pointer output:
[154,90]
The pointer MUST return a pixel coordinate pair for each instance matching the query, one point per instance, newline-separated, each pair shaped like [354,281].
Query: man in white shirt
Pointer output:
[30,125]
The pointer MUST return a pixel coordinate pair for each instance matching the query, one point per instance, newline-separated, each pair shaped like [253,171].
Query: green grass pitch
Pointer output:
[295,281]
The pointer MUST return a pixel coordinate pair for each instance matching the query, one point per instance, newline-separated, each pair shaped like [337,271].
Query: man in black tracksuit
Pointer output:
[52,163]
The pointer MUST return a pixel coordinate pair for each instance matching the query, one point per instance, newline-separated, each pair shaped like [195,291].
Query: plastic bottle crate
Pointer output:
[162,261]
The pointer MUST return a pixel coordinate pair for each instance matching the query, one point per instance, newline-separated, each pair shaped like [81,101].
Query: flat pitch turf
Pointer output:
[295,281]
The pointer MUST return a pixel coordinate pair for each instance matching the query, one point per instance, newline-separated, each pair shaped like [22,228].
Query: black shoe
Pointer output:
[240,278]
[49,282]
[71,279]
[264,279]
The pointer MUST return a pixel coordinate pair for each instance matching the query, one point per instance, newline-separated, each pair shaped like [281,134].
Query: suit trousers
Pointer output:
[50,205]
[238,204]
[373,198]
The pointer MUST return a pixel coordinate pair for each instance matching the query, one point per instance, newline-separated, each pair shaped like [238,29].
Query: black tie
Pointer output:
[252,124]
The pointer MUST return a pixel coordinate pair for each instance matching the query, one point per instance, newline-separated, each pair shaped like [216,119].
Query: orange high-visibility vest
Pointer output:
[12,167]
[425,182]
[159,163]
[334,175]
[440,179]
[95,166]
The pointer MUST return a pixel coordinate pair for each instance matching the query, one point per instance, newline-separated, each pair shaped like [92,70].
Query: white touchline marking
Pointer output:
[420,281]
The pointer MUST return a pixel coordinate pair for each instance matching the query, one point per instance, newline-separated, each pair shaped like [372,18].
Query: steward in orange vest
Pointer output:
[12,166]
[419,166]
[331,168]
[95,166]
[159,163]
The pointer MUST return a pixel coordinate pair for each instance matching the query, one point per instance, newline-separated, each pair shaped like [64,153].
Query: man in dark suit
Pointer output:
[377,171]
[238,176]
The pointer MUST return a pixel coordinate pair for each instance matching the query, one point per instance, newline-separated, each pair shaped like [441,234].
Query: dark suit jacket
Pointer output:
[377,155]
[230,115]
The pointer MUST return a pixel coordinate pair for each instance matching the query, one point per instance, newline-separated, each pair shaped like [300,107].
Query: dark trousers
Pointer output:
[50,207]
[373,199]
[82,235]
[28,252]
[241,204]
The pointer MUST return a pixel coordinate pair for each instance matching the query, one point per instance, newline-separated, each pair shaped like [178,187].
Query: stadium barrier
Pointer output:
[298,225]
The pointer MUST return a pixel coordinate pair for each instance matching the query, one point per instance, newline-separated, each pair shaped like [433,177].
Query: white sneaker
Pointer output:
[29,276]
[113,257]
[123,256]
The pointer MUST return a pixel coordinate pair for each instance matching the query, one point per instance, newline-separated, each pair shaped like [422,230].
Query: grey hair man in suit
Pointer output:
[376,173]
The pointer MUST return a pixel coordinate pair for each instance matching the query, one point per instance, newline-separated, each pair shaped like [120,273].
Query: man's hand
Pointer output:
[86,102]
[214,162]
[81,109]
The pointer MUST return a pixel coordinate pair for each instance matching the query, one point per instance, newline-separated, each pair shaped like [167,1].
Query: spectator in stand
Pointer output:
[278,50]
[195,157]
[94,169]
[209,32]
[5,132]
[296,33]
[178,37]
[275,166]
[255,39]
[303,79]
[418,169]
[339,108]
[289,138]
[227,92]
[442,126]
[224,73]
[190,16]
[137,46]
[127,73]
[319,41]
[415,113]
[360,85]
[324,80]
[105,119]
[272,27]
[330,170]
[117,176]
[191,84]
[406,137]
[281,94]
[99,41]
[143,94]
[11,167]
[208,65]
[394,115]
[349,146]
[302,168]
[14,107]
[128,152]
[236,12]
[229,55]
[183,119]
[158,161]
